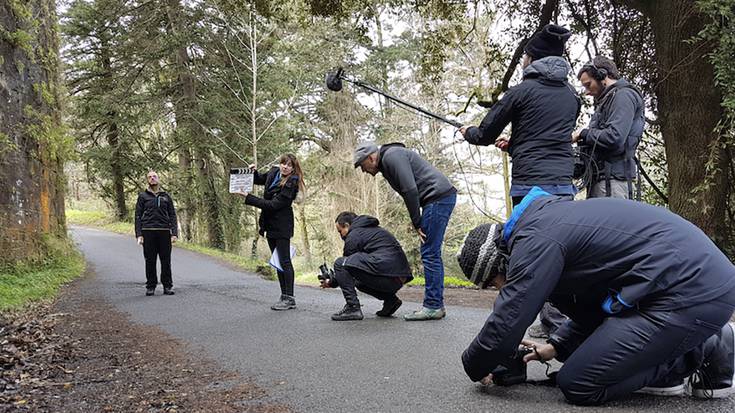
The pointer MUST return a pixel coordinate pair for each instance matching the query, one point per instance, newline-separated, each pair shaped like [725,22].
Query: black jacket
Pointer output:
[155,211]
[416,180]
[543,110]
[276,217]
[595,259]
[373,249]
[615,130]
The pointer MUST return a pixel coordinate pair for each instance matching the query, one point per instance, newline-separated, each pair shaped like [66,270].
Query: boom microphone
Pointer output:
[334,80]
[334,83]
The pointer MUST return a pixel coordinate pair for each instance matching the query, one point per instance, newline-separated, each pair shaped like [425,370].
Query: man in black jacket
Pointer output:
[648,296]
[373,262]
[156,228]
[543,110]
[430,200]
[614,132]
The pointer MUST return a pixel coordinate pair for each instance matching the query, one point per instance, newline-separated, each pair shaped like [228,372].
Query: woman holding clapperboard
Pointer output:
[282,184]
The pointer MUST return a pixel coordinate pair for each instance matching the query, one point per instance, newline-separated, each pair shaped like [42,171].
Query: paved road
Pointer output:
[314,364]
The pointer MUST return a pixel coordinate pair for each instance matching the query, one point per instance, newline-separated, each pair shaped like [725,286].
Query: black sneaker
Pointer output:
[348,312]
[150,291]
[389,307]
[168,291]
[286,302]
[716,378]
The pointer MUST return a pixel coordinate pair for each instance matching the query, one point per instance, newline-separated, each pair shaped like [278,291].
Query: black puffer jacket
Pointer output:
[373,249]
[543,109]
[155,211]
[276,218]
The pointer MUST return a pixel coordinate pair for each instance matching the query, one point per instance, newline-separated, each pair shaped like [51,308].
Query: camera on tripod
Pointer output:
[513,370]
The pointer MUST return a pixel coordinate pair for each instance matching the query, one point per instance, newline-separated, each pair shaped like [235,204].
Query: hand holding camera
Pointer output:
[326,276]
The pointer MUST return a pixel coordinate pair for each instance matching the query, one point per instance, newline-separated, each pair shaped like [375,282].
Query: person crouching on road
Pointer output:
[156,228]
[648,296]
[282,184]
[373,262]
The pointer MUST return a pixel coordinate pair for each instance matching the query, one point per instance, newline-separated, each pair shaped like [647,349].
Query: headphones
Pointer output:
[597,73]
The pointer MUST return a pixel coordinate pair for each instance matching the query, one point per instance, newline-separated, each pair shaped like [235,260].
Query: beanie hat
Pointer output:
[479,257]
[548,41]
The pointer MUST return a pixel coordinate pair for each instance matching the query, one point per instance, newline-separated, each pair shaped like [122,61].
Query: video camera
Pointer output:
[325,273]
[512,371]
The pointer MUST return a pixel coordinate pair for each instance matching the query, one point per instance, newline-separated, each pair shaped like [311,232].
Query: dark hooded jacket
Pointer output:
[155,211]
[276,217]
[595,259]
[416,180]
[543,109]
[615,130]
[372,249]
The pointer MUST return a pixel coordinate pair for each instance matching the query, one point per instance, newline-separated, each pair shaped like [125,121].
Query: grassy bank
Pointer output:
[33,281]
[305,272]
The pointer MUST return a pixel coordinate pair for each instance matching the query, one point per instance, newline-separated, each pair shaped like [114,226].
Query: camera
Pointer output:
[513,370]
[325,273]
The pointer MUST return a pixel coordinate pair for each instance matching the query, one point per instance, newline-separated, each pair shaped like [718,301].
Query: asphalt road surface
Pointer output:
[313,364]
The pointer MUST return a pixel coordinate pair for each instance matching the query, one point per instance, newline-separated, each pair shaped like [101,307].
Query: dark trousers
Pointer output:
[638,348]
[285,277]
[157,243]
[380,287]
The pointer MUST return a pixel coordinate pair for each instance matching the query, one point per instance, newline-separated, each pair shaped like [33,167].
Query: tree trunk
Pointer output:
[689,111]
[118,186]
[185,106]
[31,154]
[304,232]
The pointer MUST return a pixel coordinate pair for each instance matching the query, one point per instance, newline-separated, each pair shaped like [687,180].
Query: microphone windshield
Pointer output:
[334,82]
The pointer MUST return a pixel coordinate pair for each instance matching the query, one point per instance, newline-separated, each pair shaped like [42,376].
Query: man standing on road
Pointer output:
[156,228]
[615,129]
[648,296]
[543,111]
[372,261]
[430,199]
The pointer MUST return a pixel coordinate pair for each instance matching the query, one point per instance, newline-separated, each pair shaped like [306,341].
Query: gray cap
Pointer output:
[362,151]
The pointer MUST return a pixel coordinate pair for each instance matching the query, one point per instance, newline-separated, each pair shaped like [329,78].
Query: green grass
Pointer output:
[305,272]
[33,281]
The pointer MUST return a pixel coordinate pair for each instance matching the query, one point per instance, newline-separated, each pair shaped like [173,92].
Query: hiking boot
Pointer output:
[425,314]
[348,312]
[286,302]
[150,291]
[665,387]
[538,331]
[168,291]
[389,307]
[716,377]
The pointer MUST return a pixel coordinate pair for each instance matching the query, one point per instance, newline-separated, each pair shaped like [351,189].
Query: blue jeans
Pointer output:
[434,220]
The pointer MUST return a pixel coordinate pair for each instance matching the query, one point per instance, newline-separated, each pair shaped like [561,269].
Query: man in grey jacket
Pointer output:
[430,199]
[614,132]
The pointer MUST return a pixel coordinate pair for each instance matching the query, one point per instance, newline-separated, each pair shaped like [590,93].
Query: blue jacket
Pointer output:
[615,130]
[594,259]
[543,110]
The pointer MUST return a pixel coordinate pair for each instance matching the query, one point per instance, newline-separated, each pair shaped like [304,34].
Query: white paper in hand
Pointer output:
[275,261]
[241,180]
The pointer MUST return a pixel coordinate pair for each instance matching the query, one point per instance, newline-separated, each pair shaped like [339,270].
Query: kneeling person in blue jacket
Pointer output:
[373,262]
[648,296]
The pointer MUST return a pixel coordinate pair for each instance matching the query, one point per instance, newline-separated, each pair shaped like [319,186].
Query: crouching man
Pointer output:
[373,262]
[648,297]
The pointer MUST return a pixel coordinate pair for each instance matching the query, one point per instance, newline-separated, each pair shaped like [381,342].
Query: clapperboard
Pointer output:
[241,180]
